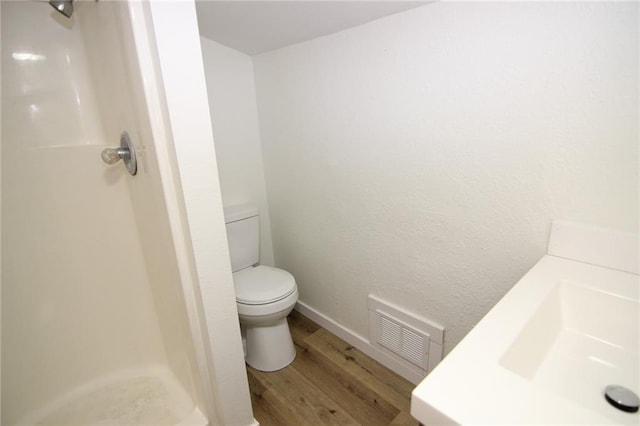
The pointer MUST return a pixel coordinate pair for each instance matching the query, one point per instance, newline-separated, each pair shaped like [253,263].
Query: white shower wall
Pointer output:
[91,288]
[422,157]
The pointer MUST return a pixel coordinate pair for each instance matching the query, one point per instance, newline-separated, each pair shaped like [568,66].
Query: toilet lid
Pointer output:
[262,284]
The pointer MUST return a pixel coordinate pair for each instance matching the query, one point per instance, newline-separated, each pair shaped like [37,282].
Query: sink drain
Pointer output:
[622,398]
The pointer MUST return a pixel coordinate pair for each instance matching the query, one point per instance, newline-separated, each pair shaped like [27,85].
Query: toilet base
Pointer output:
[269,347]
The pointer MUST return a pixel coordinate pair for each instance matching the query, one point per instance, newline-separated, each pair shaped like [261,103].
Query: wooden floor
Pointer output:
[329,383]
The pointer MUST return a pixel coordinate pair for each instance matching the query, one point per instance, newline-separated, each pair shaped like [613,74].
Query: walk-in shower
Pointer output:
[97,326]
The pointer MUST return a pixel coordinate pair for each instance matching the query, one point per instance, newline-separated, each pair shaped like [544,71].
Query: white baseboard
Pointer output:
[359,343]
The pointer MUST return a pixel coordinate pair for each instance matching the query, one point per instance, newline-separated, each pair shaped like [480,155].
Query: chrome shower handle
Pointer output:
[125,152]
[113,155]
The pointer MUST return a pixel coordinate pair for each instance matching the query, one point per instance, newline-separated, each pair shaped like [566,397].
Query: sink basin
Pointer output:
[544,353]
[579,340]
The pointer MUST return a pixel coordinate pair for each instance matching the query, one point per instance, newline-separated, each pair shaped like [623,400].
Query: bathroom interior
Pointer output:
[414,153]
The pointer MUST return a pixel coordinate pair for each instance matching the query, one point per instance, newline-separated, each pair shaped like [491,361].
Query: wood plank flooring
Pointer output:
[329,383]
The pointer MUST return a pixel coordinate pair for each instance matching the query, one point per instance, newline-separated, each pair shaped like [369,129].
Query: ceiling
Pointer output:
[254,27]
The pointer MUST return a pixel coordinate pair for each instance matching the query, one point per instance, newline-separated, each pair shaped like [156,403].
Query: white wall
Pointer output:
[234,117]
[180,61]
[423,156]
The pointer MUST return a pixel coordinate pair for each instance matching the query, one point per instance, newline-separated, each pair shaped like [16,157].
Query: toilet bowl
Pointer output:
[264,295]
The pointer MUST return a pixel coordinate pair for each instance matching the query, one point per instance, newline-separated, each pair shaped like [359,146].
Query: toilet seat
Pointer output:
[262,285]
[267,311]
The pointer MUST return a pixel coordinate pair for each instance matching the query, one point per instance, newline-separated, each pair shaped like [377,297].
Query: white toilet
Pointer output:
[264,295]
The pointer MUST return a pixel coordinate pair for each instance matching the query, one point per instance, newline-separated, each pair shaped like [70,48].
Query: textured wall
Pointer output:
[180,60]
[234,118]
[422,157]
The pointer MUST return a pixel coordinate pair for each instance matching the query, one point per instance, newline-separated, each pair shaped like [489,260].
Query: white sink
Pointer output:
[578,337]
[546,351]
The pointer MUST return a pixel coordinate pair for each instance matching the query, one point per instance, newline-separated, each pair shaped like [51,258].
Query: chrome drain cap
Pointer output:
[622,398]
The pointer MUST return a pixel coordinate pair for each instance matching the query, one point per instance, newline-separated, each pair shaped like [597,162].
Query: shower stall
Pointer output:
[100,323]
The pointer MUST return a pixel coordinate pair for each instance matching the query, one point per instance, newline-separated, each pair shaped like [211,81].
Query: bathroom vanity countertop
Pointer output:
[543,354]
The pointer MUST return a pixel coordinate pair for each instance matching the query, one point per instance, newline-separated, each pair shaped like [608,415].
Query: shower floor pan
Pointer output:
[148,397]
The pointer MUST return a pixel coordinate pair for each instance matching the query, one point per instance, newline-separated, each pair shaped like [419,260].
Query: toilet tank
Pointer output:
[243,235]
